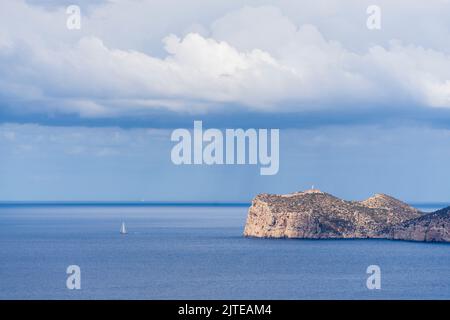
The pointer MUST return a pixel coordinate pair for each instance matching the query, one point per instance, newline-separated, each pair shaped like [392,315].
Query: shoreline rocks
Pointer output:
[431,227]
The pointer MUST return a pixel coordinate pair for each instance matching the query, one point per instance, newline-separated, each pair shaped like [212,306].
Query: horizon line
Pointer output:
[121,202]
[165,203]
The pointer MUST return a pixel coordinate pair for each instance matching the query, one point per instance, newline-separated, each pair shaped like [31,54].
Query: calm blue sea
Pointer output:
[198,252]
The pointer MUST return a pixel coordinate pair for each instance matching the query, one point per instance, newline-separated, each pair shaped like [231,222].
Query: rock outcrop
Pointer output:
[430,227]
[318,215]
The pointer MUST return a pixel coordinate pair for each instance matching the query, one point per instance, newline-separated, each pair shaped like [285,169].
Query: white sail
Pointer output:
[123,230]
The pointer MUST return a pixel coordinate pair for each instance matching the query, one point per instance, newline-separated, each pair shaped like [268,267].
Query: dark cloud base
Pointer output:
[388,116]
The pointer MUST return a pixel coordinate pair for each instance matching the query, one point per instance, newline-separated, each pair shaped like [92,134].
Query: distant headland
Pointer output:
[314,214]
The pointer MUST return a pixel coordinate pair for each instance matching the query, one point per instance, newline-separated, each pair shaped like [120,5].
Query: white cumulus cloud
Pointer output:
[255,57]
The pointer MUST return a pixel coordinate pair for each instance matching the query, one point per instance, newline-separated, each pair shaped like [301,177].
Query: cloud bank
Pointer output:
[250,56]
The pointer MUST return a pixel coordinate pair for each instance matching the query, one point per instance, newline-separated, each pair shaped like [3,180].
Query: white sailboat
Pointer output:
[123,230]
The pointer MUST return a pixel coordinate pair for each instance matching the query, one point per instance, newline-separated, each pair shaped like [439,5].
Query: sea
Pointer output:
[197,251]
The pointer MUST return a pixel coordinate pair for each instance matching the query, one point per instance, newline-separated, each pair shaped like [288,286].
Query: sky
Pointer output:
[87,114]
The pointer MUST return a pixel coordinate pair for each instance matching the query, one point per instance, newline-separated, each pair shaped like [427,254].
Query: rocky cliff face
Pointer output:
[318,215]
[430,227]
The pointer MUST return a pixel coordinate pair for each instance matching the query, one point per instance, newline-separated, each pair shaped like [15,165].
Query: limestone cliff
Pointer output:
[318,215]
[430,227]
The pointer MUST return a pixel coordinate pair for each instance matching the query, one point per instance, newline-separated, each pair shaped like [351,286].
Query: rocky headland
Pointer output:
[314,214]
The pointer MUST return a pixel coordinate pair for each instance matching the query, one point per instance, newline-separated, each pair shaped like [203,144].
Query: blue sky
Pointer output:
[80,163]
[87,114]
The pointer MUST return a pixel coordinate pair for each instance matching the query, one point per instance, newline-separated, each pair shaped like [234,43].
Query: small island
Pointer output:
[314,214]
